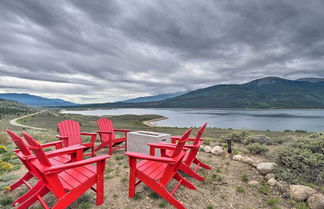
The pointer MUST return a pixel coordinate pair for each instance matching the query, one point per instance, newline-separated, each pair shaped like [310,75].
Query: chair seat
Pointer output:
[72,178]
[152,169]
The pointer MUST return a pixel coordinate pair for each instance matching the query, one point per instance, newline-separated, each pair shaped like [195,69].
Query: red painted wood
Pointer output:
[190,157]
[107,136]
[70,134]
[156,172]
[25,155]
[67,181]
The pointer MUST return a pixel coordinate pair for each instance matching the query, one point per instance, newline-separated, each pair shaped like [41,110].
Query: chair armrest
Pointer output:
[60,168]
[88,134]
[104,132]
[122,130]
[163,145]
[62,137]
[150,157]
[176,138]
[63,151]
[93,136]
[57,144]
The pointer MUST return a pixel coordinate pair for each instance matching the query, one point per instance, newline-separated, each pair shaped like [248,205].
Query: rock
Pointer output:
[272,182]
[247,160]
[237,157]
[316,201]
[269,176]
[265,168]
[300,192]
[254,183]
[217,150]
[207,149]
[255,165]
[283,186]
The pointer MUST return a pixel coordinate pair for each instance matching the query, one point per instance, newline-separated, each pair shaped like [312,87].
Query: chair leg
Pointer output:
[184,181]
[21,181]
[190,172]
[163,192]
[132,179]
[100,183]
[29,193]
[198,162]
[37,196]
[110,148]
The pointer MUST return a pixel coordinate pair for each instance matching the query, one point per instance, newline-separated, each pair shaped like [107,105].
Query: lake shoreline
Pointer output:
[149,122]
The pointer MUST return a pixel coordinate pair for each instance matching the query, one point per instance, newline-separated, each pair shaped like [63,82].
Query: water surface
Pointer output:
[274,120]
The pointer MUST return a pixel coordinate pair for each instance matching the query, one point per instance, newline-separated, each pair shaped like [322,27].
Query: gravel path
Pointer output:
[14,121]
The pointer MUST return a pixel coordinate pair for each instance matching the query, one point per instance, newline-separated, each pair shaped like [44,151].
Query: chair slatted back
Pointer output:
[178,154]
[70,129]
[37,149]
[52,181]
[105,124]
[19,143]
[193,152]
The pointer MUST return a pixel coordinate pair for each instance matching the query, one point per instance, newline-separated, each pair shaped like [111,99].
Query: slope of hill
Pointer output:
[33,100]
[8,107]
[158,97]
[270,92]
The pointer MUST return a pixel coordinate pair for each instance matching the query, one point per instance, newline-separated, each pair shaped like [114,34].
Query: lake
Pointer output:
[274,120]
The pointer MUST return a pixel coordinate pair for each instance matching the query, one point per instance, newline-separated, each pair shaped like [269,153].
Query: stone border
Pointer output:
[313,198]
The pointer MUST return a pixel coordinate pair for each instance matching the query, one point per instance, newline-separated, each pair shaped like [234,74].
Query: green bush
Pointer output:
[302,161]
[261,139]
[257,148]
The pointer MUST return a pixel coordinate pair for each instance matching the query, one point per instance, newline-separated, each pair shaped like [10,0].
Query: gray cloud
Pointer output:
[99,51]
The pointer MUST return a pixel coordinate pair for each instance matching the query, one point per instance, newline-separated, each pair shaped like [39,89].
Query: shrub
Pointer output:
[301,161]
[3,149]
[257,148]
[300,131]
[5,166]
[261,139]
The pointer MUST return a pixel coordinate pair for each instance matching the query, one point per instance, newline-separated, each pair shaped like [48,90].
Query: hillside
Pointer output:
[158,97]
[33,100]
[8,107]
[271,92]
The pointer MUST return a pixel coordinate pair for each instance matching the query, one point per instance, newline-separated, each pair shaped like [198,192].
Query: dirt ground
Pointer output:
[225,187]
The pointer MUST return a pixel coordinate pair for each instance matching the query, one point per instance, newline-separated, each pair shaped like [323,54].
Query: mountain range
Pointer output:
[269,92]
[33,100]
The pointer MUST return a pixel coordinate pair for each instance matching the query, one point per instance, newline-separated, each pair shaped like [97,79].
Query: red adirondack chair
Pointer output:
[25,155]
[156,172]
[70,134]
[107,136]
[191,154]
[66,181]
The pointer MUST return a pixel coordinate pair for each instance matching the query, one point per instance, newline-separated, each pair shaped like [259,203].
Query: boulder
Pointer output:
[253,183]
[237,157]
[247,160]
[217,150]
[265,168]
[207,149]
[272,182]
[269,176]
[316,201]
[300,192]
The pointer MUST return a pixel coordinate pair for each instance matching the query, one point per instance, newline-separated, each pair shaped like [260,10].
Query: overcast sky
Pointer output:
[102,51]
